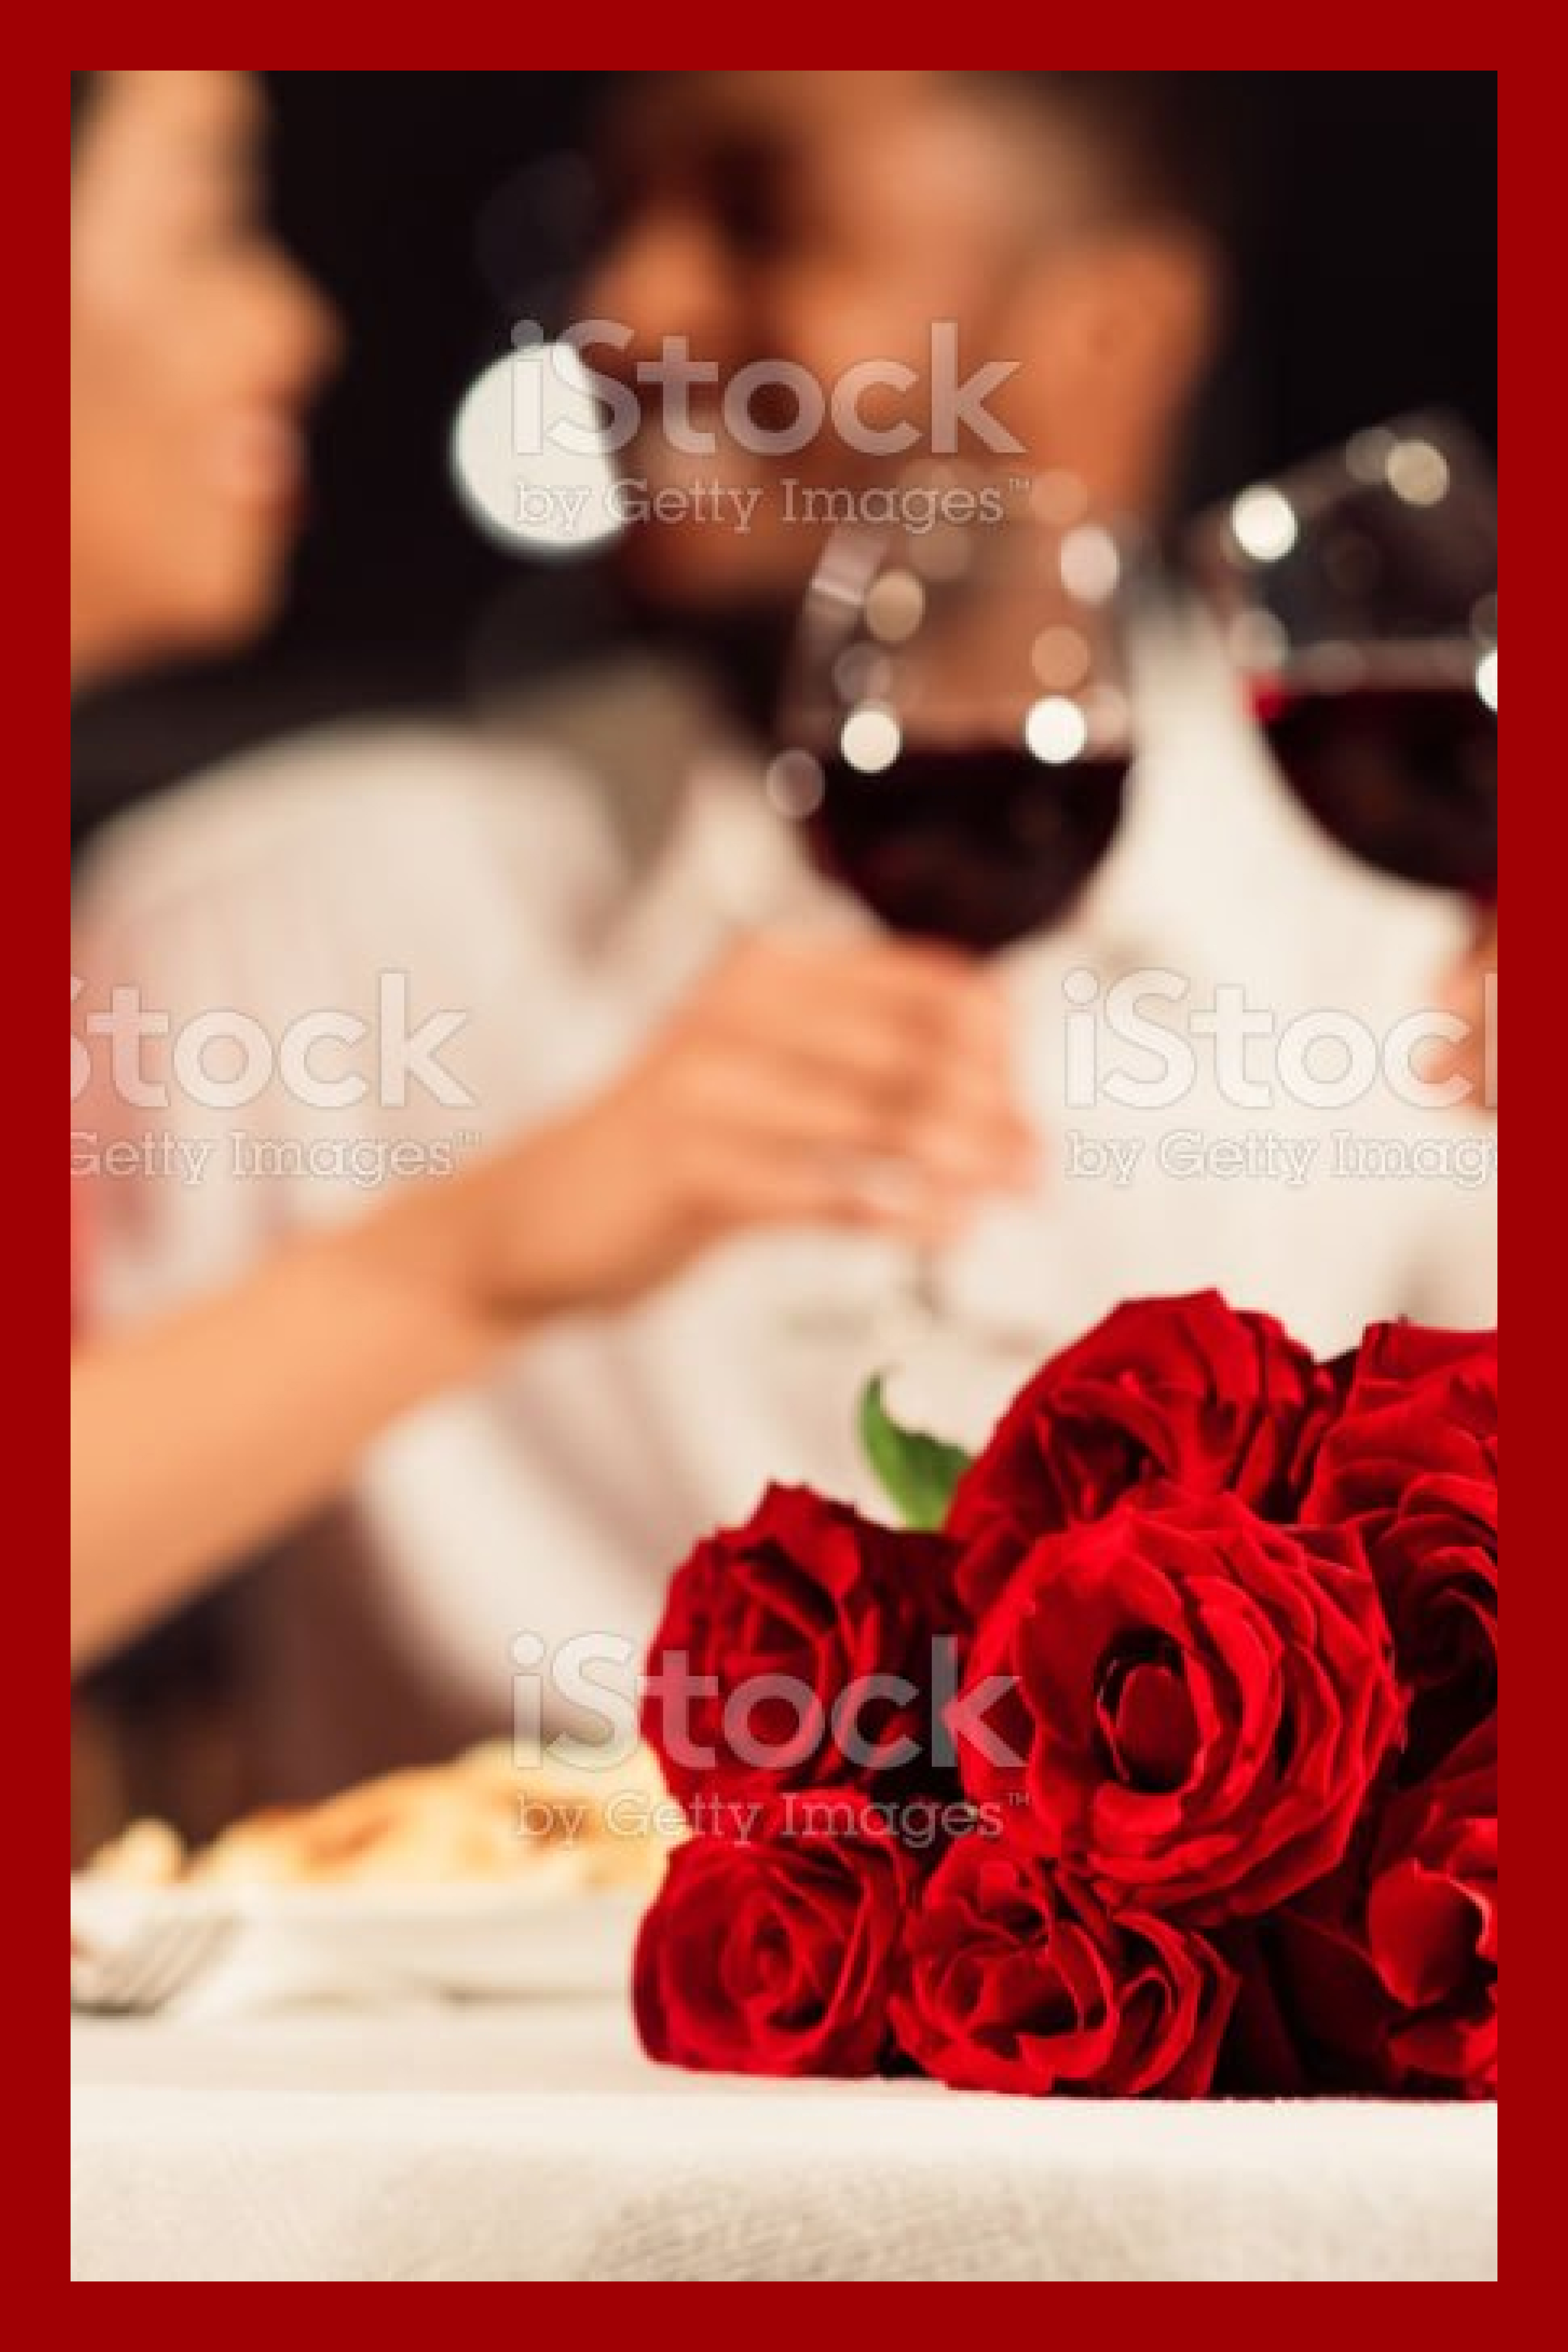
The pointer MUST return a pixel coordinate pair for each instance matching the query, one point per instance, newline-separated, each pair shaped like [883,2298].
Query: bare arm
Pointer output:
[199,1435]
[790,1076]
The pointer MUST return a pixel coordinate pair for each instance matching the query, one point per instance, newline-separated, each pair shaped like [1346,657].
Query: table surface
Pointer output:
[534,2141]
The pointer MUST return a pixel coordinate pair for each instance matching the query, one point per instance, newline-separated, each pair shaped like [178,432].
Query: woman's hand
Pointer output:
[1469,994]
[862,1085]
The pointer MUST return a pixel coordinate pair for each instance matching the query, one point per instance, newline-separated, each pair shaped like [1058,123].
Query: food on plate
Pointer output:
[482,1820]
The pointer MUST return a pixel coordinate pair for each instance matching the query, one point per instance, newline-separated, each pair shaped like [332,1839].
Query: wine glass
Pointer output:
[1358,594]
[955,733]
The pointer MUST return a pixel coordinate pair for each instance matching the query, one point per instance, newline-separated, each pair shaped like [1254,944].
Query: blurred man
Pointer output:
[561,900]
[1058,232]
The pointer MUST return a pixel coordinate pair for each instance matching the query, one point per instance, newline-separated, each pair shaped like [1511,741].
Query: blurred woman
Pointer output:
[779,1094]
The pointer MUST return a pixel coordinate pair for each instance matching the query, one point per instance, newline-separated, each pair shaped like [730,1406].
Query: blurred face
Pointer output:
[196,347]
[827,219]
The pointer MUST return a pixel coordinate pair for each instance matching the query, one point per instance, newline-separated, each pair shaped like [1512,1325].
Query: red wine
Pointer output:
[1403,774]
[977,847]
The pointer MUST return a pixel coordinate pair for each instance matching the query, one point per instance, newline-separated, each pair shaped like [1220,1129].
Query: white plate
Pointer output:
[372,1945]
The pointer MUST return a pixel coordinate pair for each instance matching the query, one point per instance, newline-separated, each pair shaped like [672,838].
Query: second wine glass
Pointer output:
[1358,595]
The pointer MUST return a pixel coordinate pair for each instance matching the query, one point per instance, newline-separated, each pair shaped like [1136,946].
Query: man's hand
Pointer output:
[863,1085]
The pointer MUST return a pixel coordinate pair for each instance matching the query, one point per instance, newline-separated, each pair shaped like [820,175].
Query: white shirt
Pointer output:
[556,1498]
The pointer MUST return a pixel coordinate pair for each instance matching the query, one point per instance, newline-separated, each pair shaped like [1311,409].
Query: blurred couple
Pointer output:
[698,1111]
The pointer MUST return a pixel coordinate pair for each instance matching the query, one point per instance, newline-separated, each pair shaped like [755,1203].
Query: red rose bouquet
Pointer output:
[1155,1755]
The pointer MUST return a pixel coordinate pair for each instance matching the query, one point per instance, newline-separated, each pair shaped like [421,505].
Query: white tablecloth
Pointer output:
[510,2143]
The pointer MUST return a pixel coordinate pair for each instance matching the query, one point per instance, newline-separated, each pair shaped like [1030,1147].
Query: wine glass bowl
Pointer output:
[1358,595]
[955,732]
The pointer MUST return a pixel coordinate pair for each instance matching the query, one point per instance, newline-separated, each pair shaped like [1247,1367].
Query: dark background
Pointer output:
[1367,267]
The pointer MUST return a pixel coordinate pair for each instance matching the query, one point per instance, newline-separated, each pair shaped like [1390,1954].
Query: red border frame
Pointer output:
[31,752]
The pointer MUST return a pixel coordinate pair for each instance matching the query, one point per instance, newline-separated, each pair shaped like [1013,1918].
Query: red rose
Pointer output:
[1190,1705]
[1178,1389]
[1396,1989]
[1412,1463]
[1420,1403]
[1432,1924]
[772,1958]
[796,1651]
[1018,1979]
[1395,1358]
[1435,1559]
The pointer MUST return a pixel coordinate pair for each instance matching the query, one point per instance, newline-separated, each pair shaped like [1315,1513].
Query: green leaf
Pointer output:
[918,1472]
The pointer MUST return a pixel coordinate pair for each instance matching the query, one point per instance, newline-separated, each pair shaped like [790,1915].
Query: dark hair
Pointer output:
[84,89]
[1157,143]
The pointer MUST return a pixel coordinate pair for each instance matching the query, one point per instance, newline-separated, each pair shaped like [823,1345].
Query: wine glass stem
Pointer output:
[922,1286]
